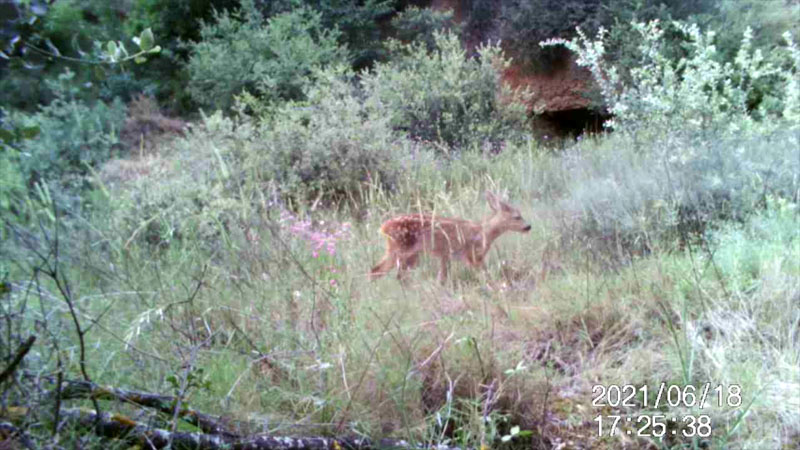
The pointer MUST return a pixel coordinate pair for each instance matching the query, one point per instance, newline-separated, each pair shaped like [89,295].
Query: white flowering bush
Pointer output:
[697,140]
[698,92]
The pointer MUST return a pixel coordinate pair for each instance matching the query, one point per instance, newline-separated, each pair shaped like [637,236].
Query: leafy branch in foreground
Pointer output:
[112,52]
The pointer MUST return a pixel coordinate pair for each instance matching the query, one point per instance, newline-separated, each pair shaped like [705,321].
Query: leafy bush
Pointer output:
[240,52]
[73,136]
[186,190]
[333,144]
[358,22]
[699,92]
[621,16]
[416,24]
[624,198]
[768,20]
[445,97]
[174,23]
[49,38]
[526,22]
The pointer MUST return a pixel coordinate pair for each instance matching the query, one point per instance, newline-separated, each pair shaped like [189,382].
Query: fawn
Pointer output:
[408,235]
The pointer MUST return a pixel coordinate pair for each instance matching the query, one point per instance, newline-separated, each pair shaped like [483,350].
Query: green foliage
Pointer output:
[729,19]
[357,21]
[419,24]
[175,24]
[195,379]
[768,21]
[445,97]
[623,39]
[175,20]
[332,144]
[73,136]
[84,22]
[699,91]
[524,23]
[276,59]
[625,196]
[45,42]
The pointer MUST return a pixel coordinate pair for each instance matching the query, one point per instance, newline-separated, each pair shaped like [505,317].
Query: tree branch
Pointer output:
[115,426]
[74,389]
[21,352]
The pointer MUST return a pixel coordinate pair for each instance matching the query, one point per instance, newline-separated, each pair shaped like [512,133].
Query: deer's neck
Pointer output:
[489,233]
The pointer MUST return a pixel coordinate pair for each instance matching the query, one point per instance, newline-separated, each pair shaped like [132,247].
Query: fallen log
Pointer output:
[209,424]
[215,434]
[114,426]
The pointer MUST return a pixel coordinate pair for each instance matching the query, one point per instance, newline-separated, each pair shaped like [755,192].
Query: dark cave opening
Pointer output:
[569,123]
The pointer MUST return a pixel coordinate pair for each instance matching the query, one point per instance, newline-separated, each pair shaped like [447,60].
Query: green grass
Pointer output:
[301,344]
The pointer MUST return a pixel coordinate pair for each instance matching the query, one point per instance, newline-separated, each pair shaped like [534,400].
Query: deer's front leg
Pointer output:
[406,262]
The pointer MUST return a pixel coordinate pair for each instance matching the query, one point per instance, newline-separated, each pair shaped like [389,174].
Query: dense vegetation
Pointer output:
[220,259]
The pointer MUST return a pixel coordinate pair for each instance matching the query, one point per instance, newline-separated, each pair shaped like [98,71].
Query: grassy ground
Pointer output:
[294,338]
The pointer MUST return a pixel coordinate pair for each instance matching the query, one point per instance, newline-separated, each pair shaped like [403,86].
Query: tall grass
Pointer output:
[180,260]
[657,257]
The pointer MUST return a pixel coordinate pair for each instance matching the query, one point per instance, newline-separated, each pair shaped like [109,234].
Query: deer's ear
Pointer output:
[494,203]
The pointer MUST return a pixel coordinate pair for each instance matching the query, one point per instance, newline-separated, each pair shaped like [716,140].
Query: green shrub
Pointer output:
[358,21]
[525,23]
[174,23]
[768,20]
[334,144]
[698,93]
[624,40]
[624,198]
[446,97]
[275,59]
[73,136]
[419,24]
[64,28]
[186,191]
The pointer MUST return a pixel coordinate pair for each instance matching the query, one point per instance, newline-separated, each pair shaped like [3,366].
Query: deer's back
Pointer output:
[430,233]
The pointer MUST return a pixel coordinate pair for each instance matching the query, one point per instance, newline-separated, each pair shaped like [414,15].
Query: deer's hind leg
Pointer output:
[444,262]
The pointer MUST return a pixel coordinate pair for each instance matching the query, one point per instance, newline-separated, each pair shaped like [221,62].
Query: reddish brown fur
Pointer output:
[409,235]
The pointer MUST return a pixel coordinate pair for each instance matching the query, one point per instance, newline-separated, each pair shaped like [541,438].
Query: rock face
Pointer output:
[562,89]
[561,99]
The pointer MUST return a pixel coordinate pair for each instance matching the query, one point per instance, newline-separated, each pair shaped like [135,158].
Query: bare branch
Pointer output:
[117,426]
[162,403]
[21,352]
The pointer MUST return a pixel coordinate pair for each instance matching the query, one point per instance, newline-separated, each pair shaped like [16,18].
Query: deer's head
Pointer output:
[506,217]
